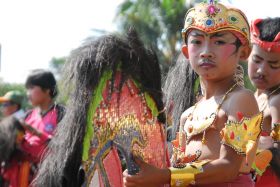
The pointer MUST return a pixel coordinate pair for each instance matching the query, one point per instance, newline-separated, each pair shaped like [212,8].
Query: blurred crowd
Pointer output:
[24,134]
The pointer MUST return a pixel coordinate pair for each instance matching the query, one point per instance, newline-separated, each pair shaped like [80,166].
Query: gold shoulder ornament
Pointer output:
[242,136]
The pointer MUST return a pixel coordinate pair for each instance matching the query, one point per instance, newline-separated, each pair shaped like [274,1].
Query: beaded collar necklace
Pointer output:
[273,91]
[191,129]
[264,105]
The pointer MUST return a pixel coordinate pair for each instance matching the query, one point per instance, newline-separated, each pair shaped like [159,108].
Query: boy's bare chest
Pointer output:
[210,149]
[263,103]
[202,117]
[203,132]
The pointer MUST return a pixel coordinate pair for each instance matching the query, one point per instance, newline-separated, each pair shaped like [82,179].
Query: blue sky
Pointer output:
[34,31]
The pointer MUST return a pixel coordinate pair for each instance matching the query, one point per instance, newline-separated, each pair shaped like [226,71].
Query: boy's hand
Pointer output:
[148,176]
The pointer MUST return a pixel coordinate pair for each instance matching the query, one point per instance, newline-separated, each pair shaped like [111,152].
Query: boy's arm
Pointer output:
[223,169]
[227,166]
[274,106]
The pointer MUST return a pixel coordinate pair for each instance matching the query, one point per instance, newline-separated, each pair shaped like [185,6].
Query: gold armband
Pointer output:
[275,133]
[242,136]
[182,177]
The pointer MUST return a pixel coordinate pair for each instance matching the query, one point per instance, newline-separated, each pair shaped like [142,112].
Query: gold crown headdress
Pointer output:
[214,17]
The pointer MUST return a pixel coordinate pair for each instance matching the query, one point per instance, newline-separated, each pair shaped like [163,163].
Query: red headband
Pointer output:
[273,46]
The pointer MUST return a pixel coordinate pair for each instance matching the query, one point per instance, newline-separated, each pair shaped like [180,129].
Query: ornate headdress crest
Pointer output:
[273,46]
[213,17]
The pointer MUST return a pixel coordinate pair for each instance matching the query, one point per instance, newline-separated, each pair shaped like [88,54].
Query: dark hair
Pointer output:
[44,79]
[269,28]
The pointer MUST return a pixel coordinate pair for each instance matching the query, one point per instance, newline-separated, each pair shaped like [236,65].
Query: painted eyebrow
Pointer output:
[269,61]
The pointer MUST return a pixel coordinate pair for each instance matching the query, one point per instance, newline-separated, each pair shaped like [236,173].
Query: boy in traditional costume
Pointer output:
[264,73]
[218,136]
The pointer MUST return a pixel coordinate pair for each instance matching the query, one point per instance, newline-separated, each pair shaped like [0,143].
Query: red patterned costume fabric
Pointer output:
[124,123]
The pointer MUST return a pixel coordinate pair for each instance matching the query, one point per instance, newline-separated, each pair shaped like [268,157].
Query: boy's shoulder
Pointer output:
[274,107]
[240,95]
[274,100]
[242,100]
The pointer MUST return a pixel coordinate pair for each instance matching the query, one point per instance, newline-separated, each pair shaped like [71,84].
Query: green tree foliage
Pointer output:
[247,81]
[159,23]
[5,87]
[57,64]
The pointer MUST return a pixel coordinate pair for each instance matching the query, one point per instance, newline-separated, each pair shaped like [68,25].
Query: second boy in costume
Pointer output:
[264,73]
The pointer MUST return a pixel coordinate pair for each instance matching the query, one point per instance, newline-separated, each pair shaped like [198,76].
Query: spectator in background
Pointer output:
[44,117]
[39,124]
[264,73]
[11,104]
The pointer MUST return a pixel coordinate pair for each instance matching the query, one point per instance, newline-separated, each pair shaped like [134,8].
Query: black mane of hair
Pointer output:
[179,90]
[8,134]
[83,71]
